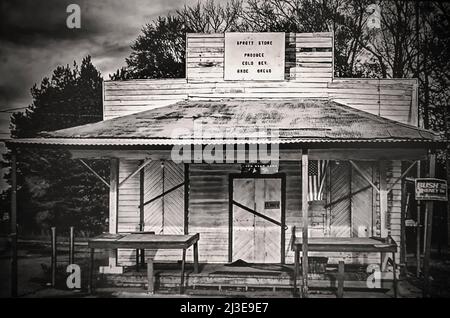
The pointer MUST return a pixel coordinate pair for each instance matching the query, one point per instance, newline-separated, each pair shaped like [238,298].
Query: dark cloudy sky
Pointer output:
[34,39]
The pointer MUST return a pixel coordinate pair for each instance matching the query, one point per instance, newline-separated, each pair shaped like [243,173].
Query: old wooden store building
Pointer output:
[260,150]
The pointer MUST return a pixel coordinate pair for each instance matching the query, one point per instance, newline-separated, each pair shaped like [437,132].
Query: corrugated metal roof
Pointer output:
[307,121]
[161,142]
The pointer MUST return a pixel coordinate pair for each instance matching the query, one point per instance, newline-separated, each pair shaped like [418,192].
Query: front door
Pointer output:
[257,220]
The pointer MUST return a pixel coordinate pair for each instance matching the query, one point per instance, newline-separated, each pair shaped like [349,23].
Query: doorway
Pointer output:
[257,218]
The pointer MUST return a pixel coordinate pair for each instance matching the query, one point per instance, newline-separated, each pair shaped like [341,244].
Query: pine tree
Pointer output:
[54,190]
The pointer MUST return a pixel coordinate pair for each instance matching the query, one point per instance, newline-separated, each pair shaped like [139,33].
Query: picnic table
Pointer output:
[142,241]
[345,244]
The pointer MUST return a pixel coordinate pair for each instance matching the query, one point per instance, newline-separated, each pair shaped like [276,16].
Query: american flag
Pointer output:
[316,179]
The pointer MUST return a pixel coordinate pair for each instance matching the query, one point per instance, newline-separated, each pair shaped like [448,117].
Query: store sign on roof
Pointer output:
[254,56]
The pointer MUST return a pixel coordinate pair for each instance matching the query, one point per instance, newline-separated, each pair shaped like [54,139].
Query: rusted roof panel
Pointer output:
[292,121]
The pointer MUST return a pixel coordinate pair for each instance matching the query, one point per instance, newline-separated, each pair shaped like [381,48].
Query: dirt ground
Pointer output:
[439,272]
[34,278]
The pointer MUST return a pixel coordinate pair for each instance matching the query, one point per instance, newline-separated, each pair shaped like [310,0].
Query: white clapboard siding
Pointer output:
[208,51]
[314,58]
[122,98]
[208,209]
[386,98]
[389,98]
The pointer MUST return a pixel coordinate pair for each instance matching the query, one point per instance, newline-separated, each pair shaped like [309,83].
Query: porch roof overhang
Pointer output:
[315,123]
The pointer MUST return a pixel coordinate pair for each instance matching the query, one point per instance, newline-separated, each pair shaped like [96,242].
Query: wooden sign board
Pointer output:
[268,205]
[410,223]
[431,189]
[254,56]
[257,168]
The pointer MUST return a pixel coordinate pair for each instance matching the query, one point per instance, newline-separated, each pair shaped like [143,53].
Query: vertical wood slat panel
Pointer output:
[256,240]
[243,221]
[129,214]
[174,201]
[394,203]
[293,214]
[361,201]
[166,214]
[340,204]
[153,216]
[271,233]
[153,188]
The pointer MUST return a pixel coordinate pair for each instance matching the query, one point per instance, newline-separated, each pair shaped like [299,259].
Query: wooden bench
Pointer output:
[344,244]
[142,241]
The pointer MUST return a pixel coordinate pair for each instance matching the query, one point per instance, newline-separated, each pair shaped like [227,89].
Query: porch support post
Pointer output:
[429,227]
[13,224]
[305,223]
[141,200]
[141,213]
[383,198]
[186,198]
[113,195]
[418,227]
[113,215]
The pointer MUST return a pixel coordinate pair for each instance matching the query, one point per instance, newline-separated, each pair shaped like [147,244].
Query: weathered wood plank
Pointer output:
[205,45]
[327,44]
[205,35]
[314,35]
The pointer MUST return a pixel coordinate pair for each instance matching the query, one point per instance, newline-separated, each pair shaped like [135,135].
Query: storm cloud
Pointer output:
[34,39]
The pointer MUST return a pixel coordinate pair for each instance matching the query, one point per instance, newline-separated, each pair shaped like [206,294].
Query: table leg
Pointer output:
[150,276]
[394,270]
[340,290]
[183,263]
[91,271]
[296,261]
[384,261]
[142,256]
[137,260]
[196,258]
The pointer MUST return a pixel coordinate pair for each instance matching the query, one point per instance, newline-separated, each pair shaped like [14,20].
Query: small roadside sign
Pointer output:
[431,189]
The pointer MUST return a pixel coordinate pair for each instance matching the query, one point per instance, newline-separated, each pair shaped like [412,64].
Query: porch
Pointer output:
[270,280]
